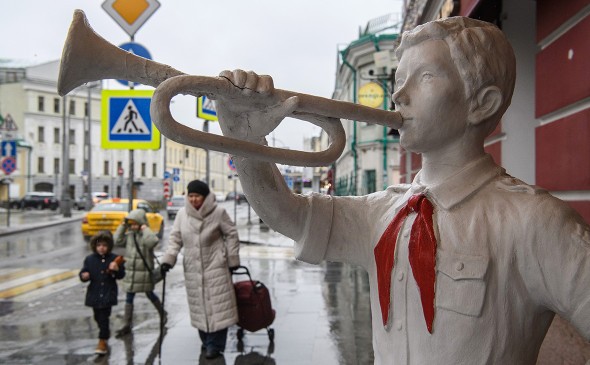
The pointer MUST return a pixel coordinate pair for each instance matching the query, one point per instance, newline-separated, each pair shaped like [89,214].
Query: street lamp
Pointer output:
[65,194]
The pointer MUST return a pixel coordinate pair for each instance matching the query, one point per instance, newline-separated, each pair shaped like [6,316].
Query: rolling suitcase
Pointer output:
[254,308]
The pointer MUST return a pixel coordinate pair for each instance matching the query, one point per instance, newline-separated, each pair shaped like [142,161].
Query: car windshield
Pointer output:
[111,207]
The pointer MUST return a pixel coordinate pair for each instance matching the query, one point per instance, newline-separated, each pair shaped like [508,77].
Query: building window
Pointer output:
[41,134]
[154,170]
[85,108]
[56,137]
[72,166]
[72,136]
[56,166]
[105,168]
[56,103]
[40,103]
[41,165]
[72,107]
[143,169]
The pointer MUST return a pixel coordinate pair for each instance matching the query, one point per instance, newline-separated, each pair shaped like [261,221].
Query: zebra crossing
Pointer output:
[28,284]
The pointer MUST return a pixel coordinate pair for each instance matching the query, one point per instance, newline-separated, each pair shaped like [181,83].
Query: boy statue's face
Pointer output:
[429,94]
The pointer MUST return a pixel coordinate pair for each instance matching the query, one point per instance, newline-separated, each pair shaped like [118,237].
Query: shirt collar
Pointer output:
[460,186]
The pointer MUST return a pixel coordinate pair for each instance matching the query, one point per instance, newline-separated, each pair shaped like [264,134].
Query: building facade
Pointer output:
[370,161]
[29,100]
[191,163]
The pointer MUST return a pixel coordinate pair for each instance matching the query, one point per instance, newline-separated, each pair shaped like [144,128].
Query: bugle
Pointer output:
[89,57]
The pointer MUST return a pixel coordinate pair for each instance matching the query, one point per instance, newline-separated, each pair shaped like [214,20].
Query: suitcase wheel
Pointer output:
[271,334]
[240,334]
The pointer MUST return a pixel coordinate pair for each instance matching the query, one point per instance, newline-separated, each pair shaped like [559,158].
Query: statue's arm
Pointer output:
[271,198]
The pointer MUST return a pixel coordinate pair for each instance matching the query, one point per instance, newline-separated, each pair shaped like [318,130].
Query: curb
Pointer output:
[5,231]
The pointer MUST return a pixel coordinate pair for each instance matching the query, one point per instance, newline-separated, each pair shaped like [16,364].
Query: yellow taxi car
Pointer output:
[108,214]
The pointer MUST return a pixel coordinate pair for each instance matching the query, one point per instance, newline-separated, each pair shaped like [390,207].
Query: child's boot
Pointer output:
[102,348]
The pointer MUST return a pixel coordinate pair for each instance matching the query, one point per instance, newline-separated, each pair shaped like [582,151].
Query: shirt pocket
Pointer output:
[460,284]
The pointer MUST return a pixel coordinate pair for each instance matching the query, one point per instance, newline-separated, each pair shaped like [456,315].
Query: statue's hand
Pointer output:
[252,110]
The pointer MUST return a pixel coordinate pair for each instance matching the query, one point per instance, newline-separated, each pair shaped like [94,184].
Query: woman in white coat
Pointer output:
[211,249]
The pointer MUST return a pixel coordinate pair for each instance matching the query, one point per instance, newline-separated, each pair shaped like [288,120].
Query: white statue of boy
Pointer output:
[467,265]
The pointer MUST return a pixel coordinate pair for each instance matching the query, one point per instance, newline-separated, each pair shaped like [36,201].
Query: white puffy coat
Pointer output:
[211,246]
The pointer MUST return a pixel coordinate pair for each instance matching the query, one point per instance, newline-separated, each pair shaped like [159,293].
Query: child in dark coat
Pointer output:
[102,268]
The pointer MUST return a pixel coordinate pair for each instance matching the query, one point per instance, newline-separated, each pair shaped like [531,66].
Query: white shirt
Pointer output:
[509,256]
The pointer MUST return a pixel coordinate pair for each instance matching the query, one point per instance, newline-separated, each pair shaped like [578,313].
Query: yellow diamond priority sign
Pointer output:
[130,14]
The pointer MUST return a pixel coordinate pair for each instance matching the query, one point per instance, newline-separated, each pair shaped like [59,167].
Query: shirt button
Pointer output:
[400,276]
[398,325]
[102,260]
[459,266]
[406,233]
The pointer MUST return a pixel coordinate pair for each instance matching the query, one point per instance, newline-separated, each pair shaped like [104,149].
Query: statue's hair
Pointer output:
[480,51]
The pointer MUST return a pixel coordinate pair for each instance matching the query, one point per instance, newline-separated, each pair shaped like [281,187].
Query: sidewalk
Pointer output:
[322,312]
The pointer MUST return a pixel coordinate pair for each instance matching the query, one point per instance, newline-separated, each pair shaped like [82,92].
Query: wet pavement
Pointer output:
[322,313]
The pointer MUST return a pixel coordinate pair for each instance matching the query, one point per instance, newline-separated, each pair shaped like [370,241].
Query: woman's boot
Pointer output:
[163,314]
[127,319]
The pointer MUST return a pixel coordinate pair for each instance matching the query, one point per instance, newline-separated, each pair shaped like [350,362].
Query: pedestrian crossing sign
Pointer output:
[206,109]
[126,121]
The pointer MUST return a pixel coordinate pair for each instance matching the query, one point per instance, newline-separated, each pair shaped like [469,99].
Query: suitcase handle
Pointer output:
[255,284]
[245,272]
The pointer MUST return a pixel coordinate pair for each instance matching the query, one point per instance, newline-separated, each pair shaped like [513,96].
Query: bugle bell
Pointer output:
[89,57]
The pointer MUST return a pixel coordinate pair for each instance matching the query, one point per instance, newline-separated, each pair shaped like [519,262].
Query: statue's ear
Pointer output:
[485,104]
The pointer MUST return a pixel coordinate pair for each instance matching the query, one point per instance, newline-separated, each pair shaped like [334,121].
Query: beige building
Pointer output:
[190,163]
[33,115]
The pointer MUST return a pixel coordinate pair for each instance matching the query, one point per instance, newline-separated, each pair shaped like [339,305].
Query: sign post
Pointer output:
[131,15]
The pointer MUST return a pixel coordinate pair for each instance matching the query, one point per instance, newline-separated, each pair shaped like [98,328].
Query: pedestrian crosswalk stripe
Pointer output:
[26,283]
[11,274]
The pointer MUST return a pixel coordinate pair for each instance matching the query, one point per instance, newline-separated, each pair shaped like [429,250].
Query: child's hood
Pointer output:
[137,215]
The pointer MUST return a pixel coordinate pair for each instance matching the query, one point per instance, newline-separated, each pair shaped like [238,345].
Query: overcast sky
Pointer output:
[293,41]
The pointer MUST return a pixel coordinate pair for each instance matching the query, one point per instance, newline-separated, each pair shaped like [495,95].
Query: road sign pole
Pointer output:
[131,168]
[207,164]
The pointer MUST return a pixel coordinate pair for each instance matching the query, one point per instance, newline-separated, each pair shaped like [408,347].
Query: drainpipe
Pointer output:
[353,143]
[384,139]
[385,103]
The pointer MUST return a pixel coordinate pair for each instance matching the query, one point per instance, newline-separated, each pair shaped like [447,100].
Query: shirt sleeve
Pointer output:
[341,229]
[311,247]
[558,264]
